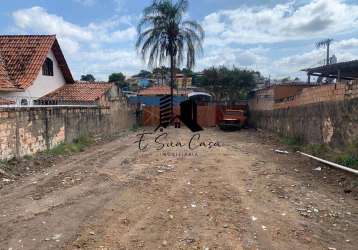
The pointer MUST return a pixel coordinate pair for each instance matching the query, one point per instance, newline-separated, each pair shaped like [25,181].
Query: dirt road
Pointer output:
[232,193]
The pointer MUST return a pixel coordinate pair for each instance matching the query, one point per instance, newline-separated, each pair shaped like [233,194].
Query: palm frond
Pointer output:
[163,35]
[324,43]
[196,28]
[182,6]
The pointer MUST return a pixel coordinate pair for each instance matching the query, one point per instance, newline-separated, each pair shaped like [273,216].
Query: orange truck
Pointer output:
[233,119]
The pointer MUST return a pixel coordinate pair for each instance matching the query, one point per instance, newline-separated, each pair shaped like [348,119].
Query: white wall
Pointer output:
[42,84]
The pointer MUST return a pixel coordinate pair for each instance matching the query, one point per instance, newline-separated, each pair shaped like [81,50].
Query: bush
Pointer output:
[77,145]
[348,160]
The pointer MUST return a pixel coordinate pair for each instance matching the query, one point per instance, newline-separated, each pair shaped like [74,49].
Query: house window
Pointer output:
[47,67]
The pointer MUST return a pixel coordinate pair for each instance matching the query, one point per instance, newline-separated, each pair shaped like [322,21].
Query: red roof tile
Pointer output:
[158,90]
[23,57]
[79,91]
[5,82]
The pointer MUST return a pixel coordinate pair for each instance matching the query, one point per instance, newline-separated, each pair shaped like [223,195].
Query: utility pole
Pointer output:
[327,58]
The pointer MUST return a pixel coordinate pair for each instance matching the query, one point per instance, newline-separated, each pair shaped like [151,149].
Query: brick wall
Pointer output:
[322,93]
[25,131]
[263,100]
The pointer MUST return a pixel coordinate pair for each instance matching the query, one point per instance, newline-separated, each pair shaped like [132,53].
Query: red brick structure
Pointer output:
[160,91]
[324,113]
[271,99]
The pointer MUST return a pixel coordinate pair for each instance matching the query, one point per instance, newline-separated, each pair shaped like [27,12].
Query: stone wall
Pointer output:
[25,131]
[333,122]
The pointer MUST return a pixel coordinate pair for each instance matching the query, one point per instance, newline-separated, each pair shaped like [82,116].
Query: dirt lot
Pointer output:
[241,195]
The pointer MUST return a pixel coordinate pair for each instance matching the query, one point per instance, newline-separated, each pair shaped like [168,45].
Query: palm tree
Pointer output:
[164,35]
[325,44]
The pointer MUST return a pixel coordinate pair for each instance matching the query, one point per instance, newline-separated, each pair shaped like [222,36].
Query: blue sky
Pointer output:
[272,36]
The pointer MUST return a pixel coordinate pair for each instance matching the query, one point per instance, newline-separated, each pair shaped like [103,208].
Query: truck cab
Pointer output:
[233,119]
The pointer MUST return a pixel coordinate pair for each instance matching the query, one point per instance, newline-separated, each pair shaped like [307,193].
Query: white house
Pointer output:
[31,66]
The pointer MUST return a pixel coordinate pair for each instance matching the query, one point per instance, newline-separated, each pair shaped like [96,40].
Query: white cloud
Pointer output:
[250,58]
[259,26]
[344,50]
[37,19]
[105,61]
[83,44]
[283,22]
[69,46]
[212,24]
[108,46]
[346,44]
[259,58]
[123,35]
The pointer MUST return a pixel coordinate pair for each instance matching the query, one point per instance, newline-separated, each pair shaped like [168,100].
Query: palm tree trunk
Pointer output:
[172,69]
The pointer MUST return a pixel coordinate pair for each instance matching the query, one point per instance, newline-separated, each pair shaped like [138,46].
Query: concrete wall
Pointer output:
[334,122]
[25,131]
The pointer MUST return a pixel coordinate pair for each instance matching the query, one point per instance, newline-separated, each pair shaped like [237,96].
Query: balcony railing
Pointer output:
[26,101]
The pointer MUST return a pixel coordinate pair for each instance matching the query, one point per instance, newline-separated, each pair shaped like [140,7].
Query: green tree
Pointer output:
[144,74]
[286,79]
[88,78]
[163,35]
[119,79]
[187,72]
[228,84]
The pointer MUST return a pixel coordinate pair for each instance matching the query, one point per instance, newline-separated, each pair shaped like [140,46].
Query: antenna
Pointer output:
[325,44]
[333,59]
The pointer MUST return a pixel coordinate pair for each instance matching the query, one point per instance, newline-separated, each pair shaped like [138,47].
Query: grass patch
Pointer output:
[28,157]
[78,145]
[295,143]
[45,159]
[346,155]
[316,149]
